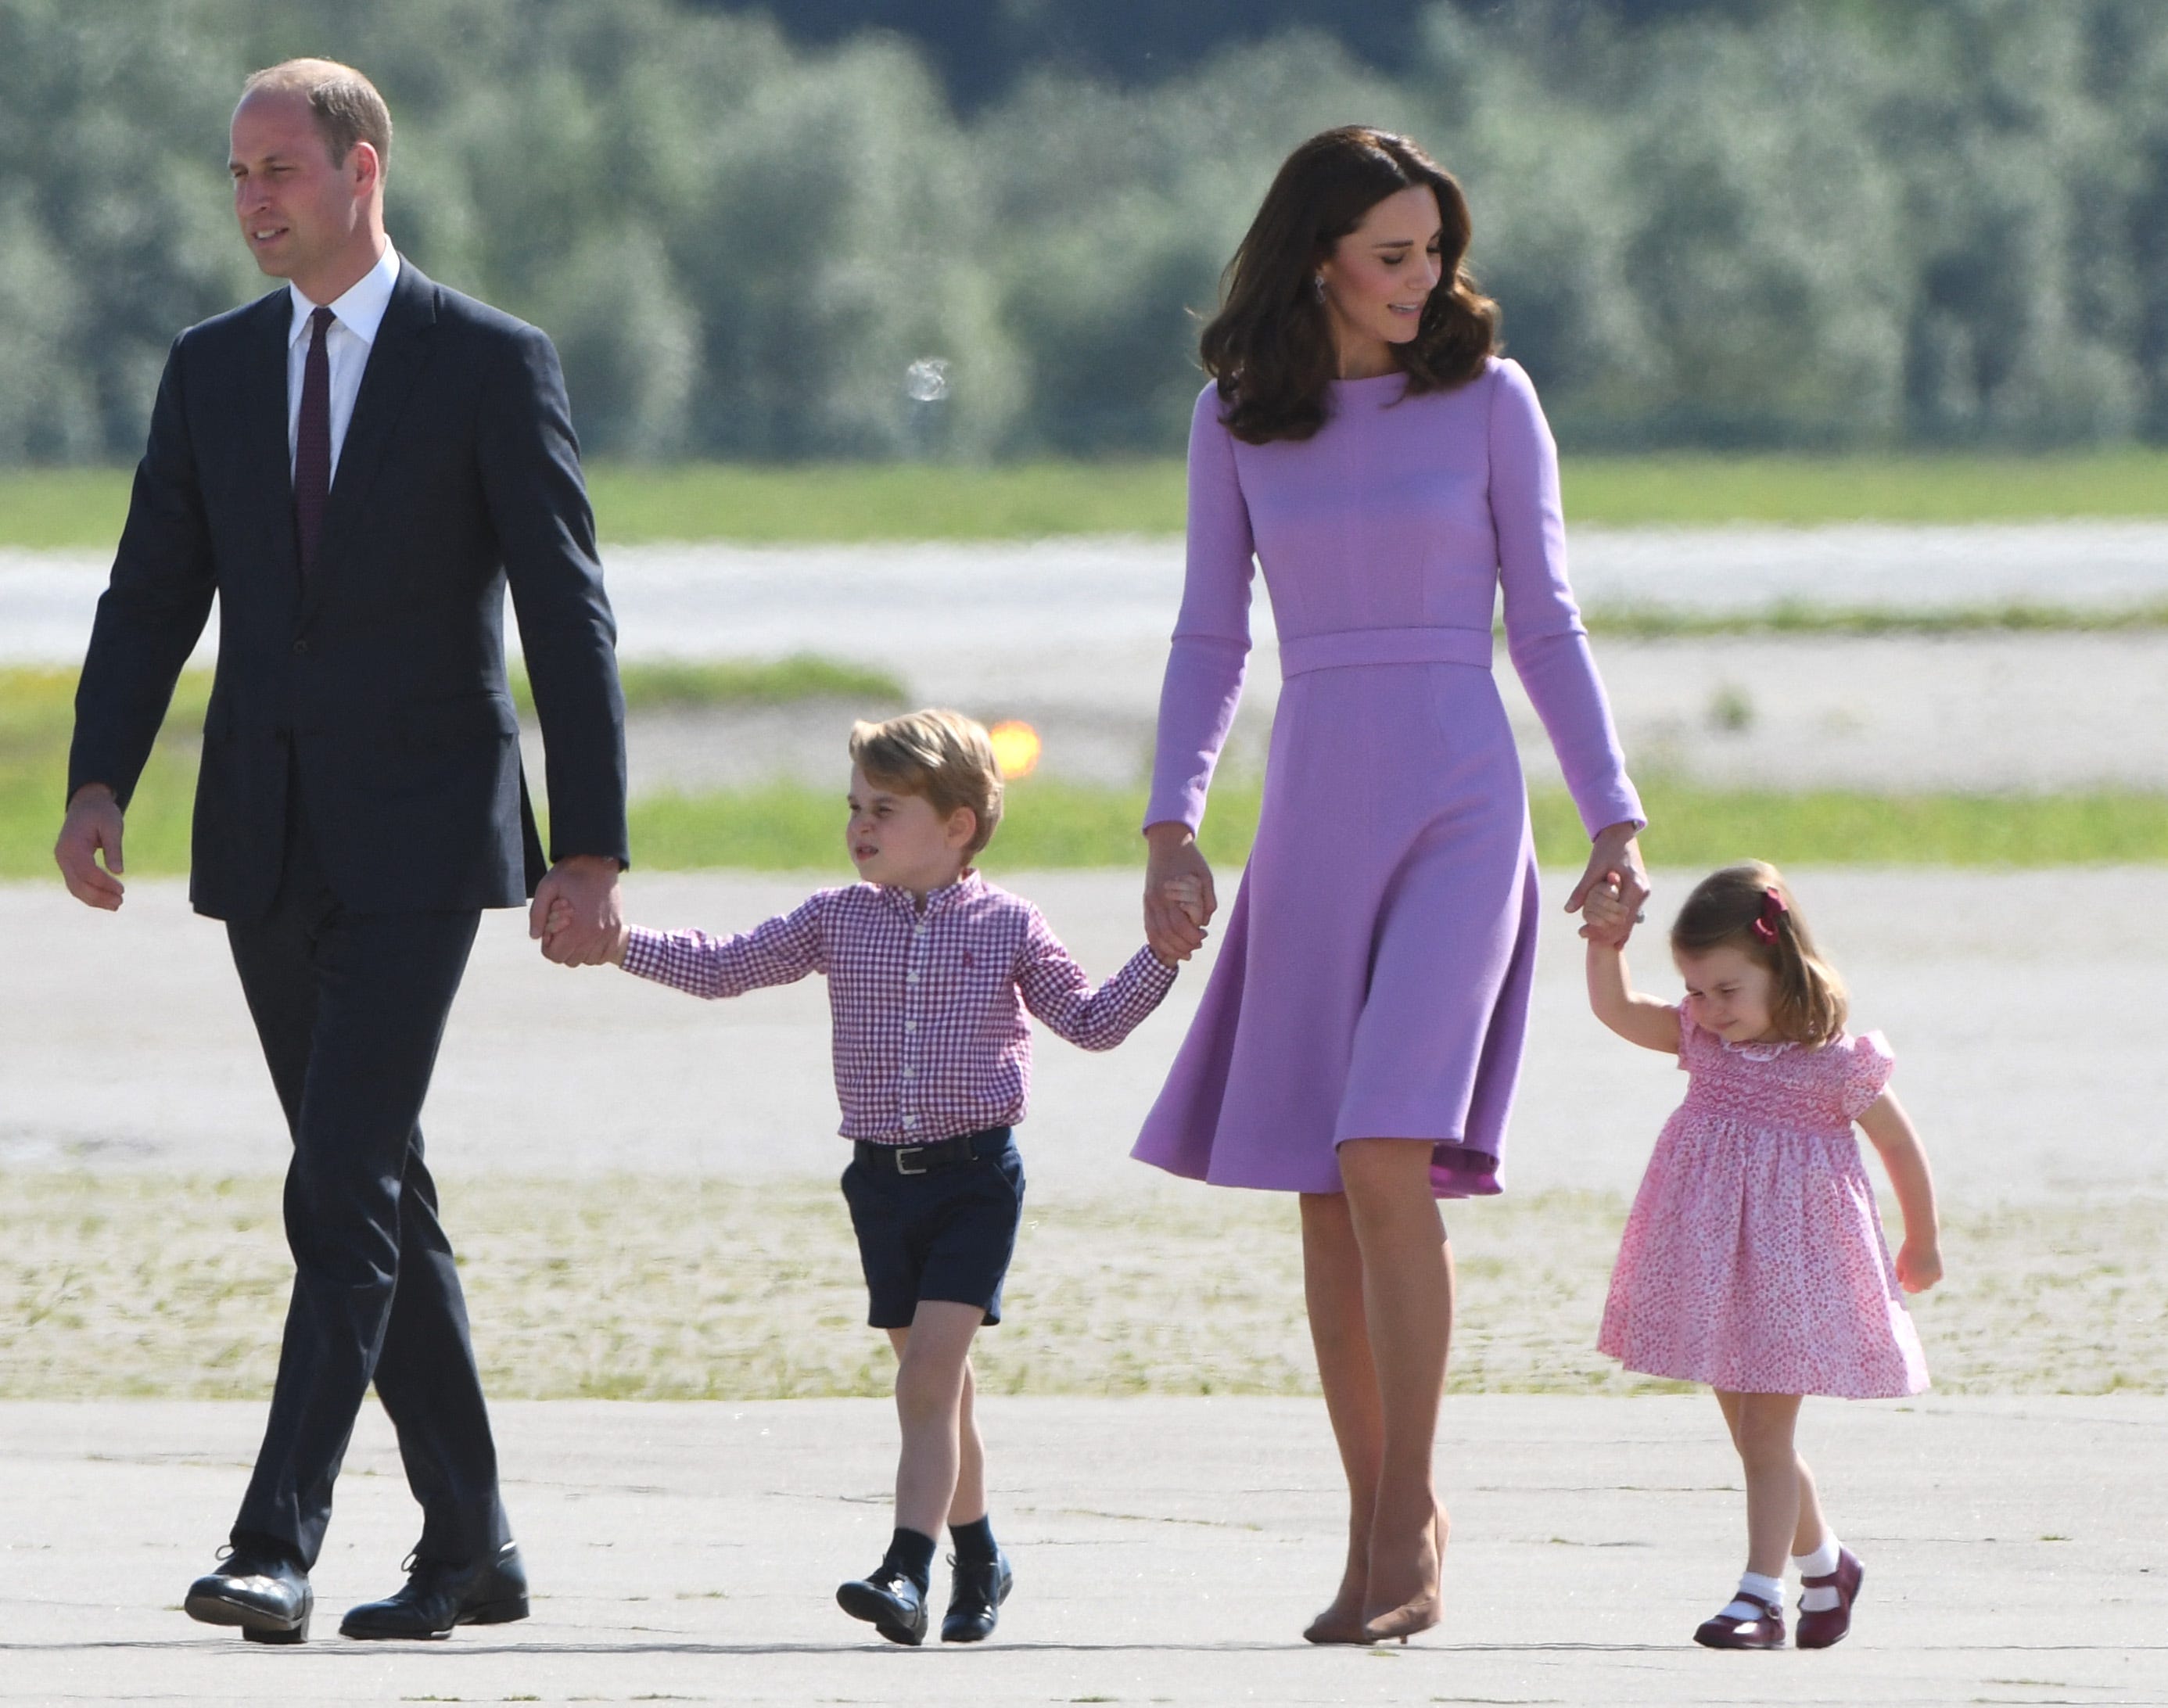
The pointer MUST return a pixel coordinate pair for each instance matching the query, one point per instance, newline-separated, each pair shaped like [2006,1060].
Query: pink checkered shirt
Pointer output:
[930,1038]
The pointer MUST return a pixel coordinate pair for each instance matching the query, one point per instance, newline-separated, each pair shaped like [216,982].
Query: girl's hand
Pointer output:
[1919,1266]
[1604,917]
[1179,901]
[1614,858]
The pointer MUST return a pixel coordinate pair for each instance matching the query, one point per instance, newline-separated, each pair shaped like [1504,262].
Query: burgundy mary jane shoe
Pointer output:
[1818,1631]
[1765,1630]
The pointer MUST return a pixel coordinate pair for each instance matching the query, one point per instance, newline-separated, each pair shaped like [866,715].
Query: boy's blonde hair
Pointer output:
[942,755]
[1749,907]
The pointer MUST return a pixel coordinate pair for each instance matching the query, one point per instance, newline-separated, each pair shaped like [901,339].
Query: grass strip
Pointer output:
[791,827]
[1790,617]
[838,503]
[1051,824]
[654,1288]
[672,685]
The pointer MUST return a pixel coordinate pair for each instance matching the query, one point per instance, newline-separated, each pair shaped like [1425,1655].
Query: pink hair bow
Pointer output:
[1773,910]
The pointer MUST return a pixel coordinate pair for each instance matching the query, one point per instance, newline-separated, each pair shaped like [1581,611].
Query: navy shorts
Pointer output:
[945,1235]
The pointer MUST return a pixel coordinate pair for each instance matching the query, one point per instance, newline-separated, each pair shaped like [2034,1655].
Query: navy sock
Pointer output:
[911,1554]
[975,1542]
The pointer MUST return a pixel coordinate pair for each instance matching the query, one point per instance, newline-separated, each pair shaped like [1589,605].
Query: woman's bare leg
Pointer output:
[1332,1288]
[1407,1308]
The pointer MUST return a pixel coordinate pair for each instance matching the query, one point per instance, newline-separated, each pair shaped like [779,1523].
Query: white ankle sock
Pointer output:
[1819,1564]
[1770,1590]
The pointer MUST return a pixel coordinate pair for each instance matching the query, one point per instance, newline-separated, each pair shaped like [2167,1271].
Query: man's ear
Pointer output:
[366,164]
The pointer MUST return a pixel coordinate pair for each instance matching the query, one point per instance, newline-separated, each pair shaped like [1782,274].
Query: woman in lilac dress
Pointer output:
[1361,1034]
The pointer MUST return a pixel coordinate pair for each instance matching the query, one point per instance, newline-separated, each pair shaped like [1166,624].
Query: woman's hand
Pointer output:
[1614,860]
[1179,901]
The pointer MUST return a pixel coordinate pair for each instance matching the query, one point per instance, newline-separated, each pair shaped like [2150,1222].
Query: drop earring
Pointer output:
[1317,286]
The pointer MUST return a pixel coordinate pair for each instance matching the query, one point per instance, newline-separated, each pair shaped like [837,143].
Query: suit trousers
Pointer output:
[350,1009]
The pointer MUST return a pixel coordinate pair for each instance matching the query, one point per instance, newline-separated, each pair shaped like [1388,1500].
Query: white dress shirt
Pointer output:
[347,344]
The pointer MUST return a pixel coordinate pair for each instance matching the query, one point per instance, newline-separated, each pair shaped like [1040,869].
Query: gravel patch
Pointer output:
[647,1287]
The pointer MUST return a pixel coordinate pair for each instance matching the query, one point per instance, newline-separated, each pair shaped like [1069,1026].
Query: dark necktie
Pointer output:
[312,447]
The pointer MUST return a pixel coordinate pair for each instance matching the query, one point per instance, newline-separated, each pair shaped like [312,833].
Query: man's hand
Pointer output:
[578,911]
[92,827]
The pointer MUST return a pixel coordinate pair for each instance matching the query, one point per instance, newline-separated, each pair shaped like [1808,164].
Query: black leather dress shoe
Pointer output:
[266,1594]
[891,1602]
[439,1595]
[977,1590]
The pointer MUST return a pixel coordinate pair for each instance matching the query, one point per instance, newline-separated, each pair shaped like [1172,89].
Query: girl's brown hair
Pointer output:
[1270,345]
[1750,908]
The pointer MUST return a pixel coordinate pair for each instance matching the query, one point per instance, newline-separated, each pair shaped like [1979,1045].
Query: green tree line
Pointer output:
[1816,224]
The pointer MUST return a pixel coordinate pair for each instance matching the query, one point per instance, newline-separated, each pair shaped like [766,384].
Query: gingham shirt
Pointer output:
[930,1038]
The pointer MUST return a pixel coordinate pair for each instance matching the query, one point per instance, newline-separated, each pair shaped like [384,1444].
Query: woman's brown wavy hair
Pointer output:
[1270,347]
[1808,1004]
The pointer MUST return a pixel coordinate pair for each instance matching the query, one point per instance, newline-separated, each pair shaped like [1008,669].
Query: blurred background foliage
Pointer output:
[1817,224]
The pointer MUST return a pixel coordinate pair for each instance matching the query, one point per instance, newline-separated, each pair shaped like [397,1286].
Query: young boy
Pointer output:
[929,970]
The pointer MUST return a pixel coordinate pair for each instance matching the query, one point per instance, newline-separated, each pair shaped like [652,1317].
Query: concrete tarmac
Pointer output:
[690,1553]
[2017,1003]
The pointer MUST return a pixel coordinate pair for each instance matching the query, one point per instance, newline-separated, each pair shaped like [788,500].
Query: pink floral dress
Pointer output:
[1754,1259]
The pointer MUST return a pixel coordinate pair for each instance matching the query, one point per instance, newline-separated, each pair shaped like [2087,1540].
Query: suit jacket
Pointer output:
[379,684]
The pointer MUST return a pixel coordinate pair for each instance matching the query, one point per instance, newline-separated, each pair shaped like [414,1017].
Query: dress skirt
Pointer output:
[1374,973]
[1754,1261]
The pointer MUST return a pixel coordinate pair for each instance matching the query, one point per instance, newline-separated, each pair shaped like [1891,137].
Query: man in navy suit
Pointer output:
[357,466]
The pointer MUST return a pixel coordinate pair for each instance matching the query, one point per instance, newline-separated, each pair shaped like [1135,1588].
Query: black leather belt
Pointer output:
[941,1155]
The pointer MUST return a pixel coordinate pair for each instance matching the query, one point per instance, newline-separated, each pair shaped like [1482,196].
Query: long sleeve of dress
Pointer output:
[1543,632]
[1211,649]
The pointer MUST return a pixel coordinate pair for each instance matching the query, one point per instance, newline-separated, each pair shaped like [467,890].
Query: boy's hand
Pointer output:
[1188,893]
[1604,917]
[1919,1264]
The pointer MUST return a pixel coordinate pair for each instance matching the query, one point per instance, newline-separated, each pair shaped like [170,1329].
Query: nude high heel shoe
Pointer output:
[1341,1622]
[1424,1611]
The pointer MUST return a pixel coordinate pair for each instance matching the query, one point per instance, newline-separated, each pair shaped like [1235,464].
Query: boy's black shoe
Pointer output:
[889,1601]
[977,1588]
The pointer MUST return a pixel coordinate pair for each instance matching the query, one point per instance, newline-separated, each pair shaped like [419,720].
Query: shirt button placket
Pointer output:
[913,961]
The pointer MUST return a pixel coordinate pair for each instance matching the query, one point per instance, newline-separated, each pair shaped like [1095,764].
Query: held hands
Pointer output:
[578,912]
[1605,917]
[1614,860]
[92,827]
[1919,1264]
[1179,901]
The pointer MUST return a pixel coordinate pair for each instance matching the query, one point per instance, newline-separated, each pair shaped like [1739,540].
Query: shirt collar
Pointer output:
[968,884]
[360,310]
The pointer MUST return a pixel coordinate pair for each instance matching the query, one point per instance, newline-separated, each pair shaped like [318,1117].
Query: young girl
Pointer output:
[1754,1259]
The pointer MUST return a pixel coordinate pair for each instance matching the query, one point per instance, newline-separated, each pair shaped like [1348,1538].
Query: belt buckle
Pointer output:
[909,1150]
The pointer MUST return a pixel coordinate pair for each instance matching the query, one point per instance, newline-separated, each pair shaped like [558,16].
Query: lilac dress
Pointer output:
[1373,974]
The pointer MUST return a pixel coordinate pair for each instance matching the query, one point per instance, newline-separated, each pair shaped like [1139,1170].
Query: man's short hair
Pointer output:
[942,755]
[347,107]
